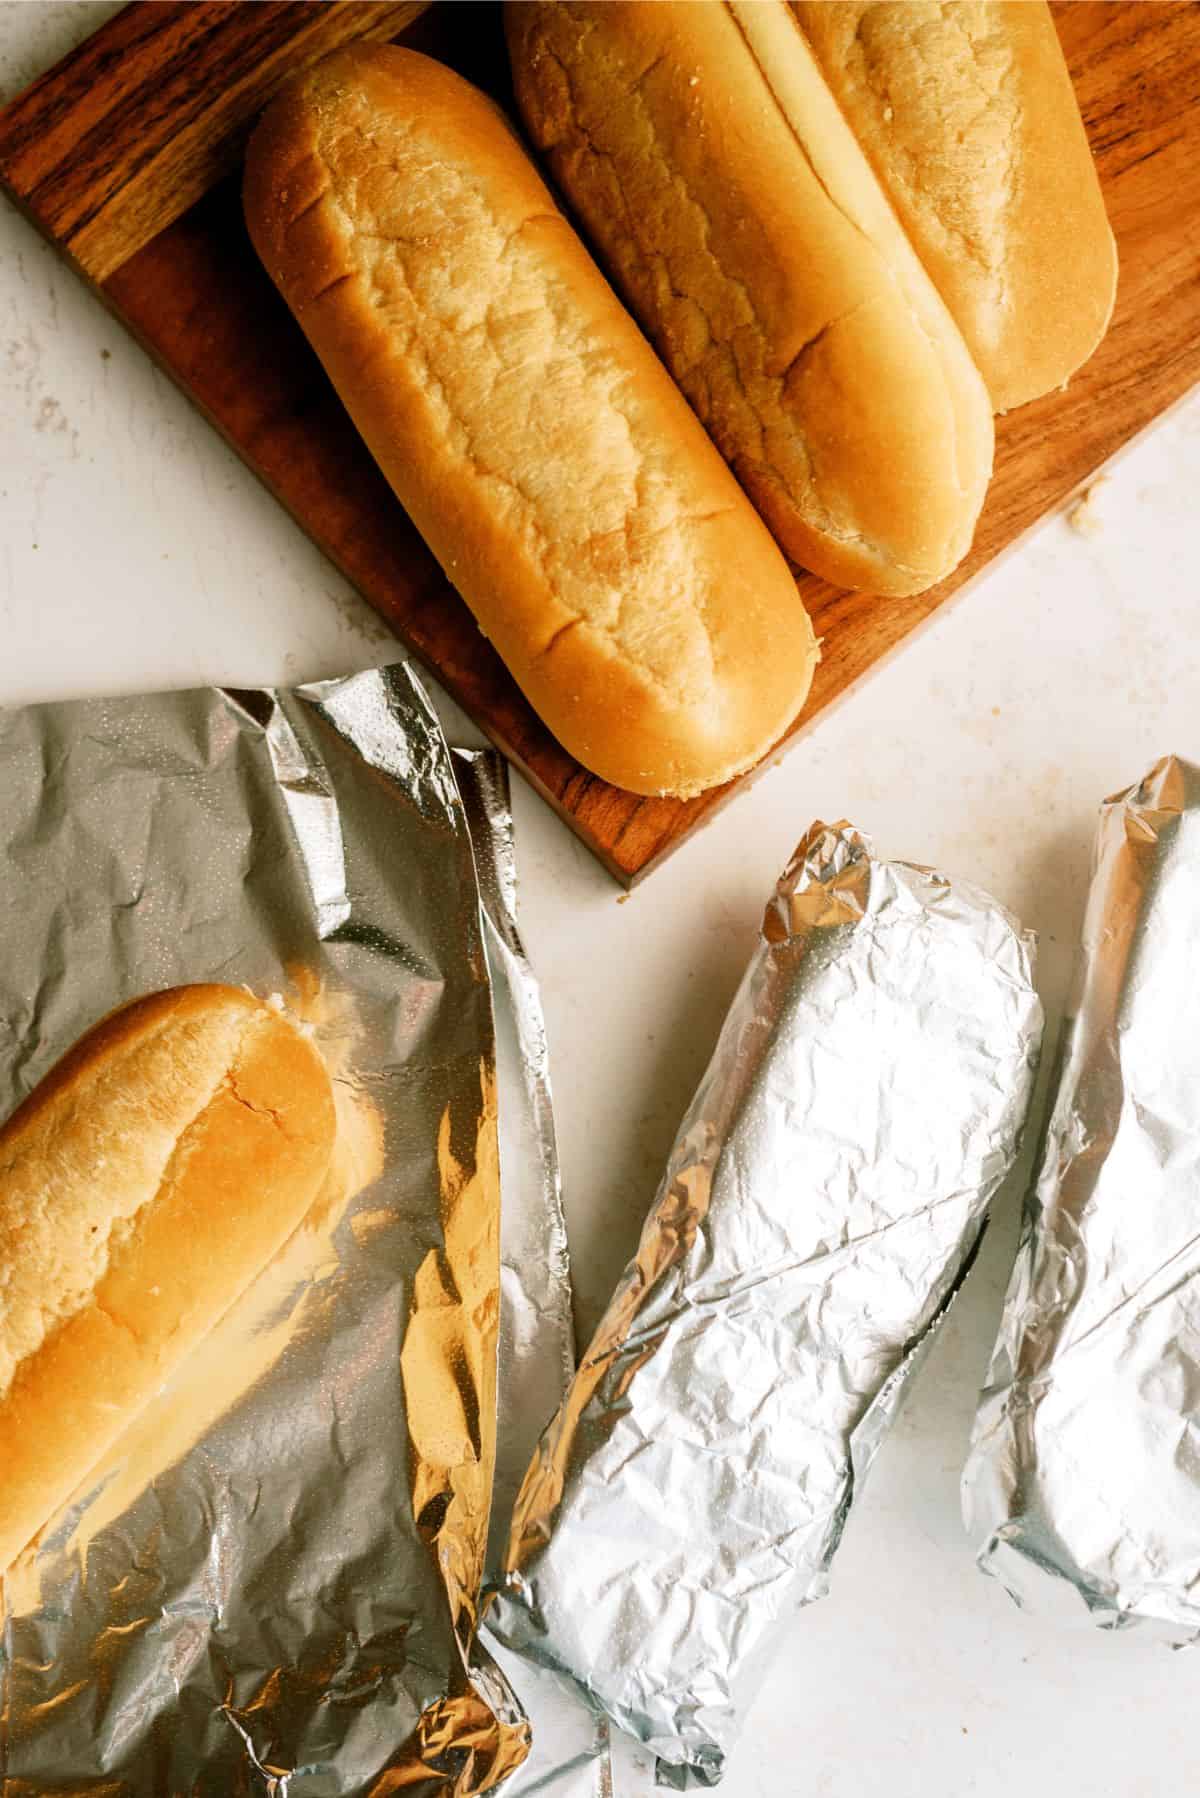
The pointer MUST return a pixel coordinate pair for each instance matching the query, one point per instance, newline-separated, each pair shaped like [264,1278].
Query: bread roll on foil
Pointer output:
[967,114]
[710,164]
[525,424]
[143,1185]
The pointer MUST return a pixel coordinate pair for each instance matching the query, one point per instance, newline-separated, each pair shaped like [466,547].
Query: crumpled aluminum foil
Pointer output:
[823,1198]
[1083,1484]
[271,1585]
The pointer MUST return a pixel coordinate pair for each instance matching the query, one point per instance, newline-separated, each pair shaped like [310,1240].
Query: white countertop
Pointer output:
[136,552]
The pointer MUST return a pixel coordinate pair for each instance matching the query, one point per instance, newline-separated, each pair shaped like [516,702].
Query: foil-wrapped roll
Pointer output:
[1082,1488]
[824,1196]
[271,1584]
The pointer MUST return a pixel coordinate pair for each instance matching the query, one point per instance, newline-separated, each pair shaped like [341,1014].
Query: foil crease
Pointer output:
[823,1198]
[537,1333]
[271,1584]
[1082,1488]
[569,1755]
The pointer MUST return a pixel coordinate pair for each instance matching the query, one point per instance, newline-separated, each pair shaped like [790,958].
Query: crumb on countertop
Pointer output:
[1085,516]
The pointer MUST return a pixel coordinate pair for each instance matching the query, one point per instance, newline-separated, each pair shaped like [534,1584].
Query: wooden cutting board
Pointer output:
[126,154]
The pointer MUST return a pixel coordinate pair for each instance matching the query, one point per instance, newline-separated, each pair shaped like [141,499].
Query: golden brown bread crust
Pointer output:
[710,164]
[526,426]
[966,111]
[143,1185]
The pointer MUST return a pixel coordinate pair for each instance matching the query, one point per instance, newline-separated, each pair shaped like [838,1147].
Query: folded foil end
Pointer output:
[825,884]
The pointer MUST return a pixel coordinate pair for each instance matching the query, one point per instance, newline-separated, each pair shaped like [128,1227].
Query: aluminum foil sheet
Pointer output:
[1083,1483]
[270,1586]
[824,1195]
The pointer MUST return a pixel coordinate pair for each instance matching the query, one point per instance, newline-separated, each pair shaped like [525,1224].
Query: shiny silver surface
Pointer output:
[270,1585]
[825,1193]
[1083,1484]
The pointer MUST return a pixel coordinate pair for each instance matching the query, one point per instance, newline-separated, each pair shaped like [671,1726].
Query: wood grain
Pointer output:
[196,297]
[116,142]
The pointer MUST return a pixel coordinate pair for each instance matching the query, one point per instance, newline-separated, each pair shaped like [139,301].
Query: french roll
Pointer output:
[525,424]
[706,156]
[968,116]
[143,1185]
